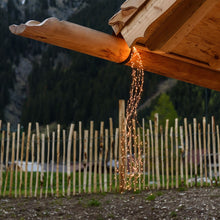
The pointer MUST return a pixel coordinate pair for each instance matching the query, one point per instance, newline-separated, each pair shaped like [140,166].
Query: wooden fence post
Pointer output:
[32,164]
[42,164]
[27,158]
[21,170]
[167,155]
[90,156]
[148,158]
[101,145]
[52,162]
[125,137]
[177,152]
[111,150]
[186,150]
[74,162]
[200,155]
[191,155]
[171,156]
[64,161]
[152,152]
[135,165]
[156,124]
[48,159]
[96,160]
[209,155]
[105,161]
[218,142]
[38,157]
[195,148]
[17,159]
[214,149]
[116,157]
[69,157]
[181,156]
[80,155]
[162,155]
[139,158]
[204,147]
[85,160]
[144,153]
[58,160]
[12,163]
[121,146]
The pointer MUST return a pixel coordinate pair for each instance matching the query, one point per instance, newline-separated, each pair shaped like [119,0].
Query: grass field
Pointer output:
[10,189]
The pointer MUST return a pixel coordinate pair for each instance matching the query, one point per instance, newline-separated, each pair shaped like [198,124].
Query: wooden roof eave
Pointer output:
[171,29]
[128,10]
[78,38]
[173,26]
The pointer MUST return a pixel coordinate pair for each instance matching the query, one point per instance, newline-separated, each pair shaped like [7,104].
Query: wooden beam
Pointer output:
[75,37]
[161,64]
[202,42]
[85,40]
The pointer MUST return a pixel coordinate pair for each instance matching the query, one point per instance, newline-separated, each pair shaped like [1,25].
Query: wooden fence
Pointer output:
[73,161]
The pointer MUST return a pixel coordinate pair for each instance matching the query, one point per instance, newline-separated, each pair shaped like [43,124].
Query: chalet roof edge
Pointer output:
[128,9]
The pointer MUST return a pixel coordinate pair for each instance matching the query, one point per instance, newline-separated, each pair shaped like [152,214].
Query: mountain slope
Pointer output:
[18,54]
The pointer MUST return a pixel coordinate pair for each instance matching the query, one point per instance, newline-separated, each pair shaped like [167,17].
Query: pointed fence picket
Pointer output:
[74,162]
[90,156]
[48,160]
[32,165]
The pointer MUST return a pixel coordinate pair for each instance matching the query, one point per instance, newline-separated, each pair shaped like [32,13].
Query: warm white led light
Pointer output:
[132,164]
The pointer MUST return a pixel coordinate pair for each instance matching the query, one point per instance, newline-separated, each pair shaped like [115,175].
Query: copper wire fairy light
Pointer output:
[134,162]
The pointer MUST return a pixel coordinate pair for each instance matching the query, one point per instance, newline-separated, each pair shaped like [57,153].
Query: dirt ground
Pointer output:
[194,203]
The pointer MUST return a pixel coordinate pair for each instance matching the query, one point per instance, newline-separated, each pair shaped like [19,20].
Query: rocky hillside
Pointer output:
[20,11]
[61,9]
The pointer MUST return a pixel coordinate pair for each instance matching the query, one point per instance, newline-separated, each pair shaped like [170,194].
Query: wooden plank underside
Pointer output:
[158,32]
[189,25]
[179,69]
[203,41]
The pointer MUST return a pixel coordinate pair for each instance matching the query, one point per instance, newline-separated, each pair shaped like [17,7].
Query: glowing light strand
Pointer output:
[132,165]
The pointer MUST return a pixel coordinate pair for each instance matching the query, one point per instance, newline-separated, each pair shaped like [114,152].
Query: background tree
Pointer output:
[165,108]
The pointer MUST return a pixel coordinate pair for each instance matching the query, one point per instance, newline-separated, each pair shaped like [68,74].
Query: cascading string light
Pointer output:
[132,164]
